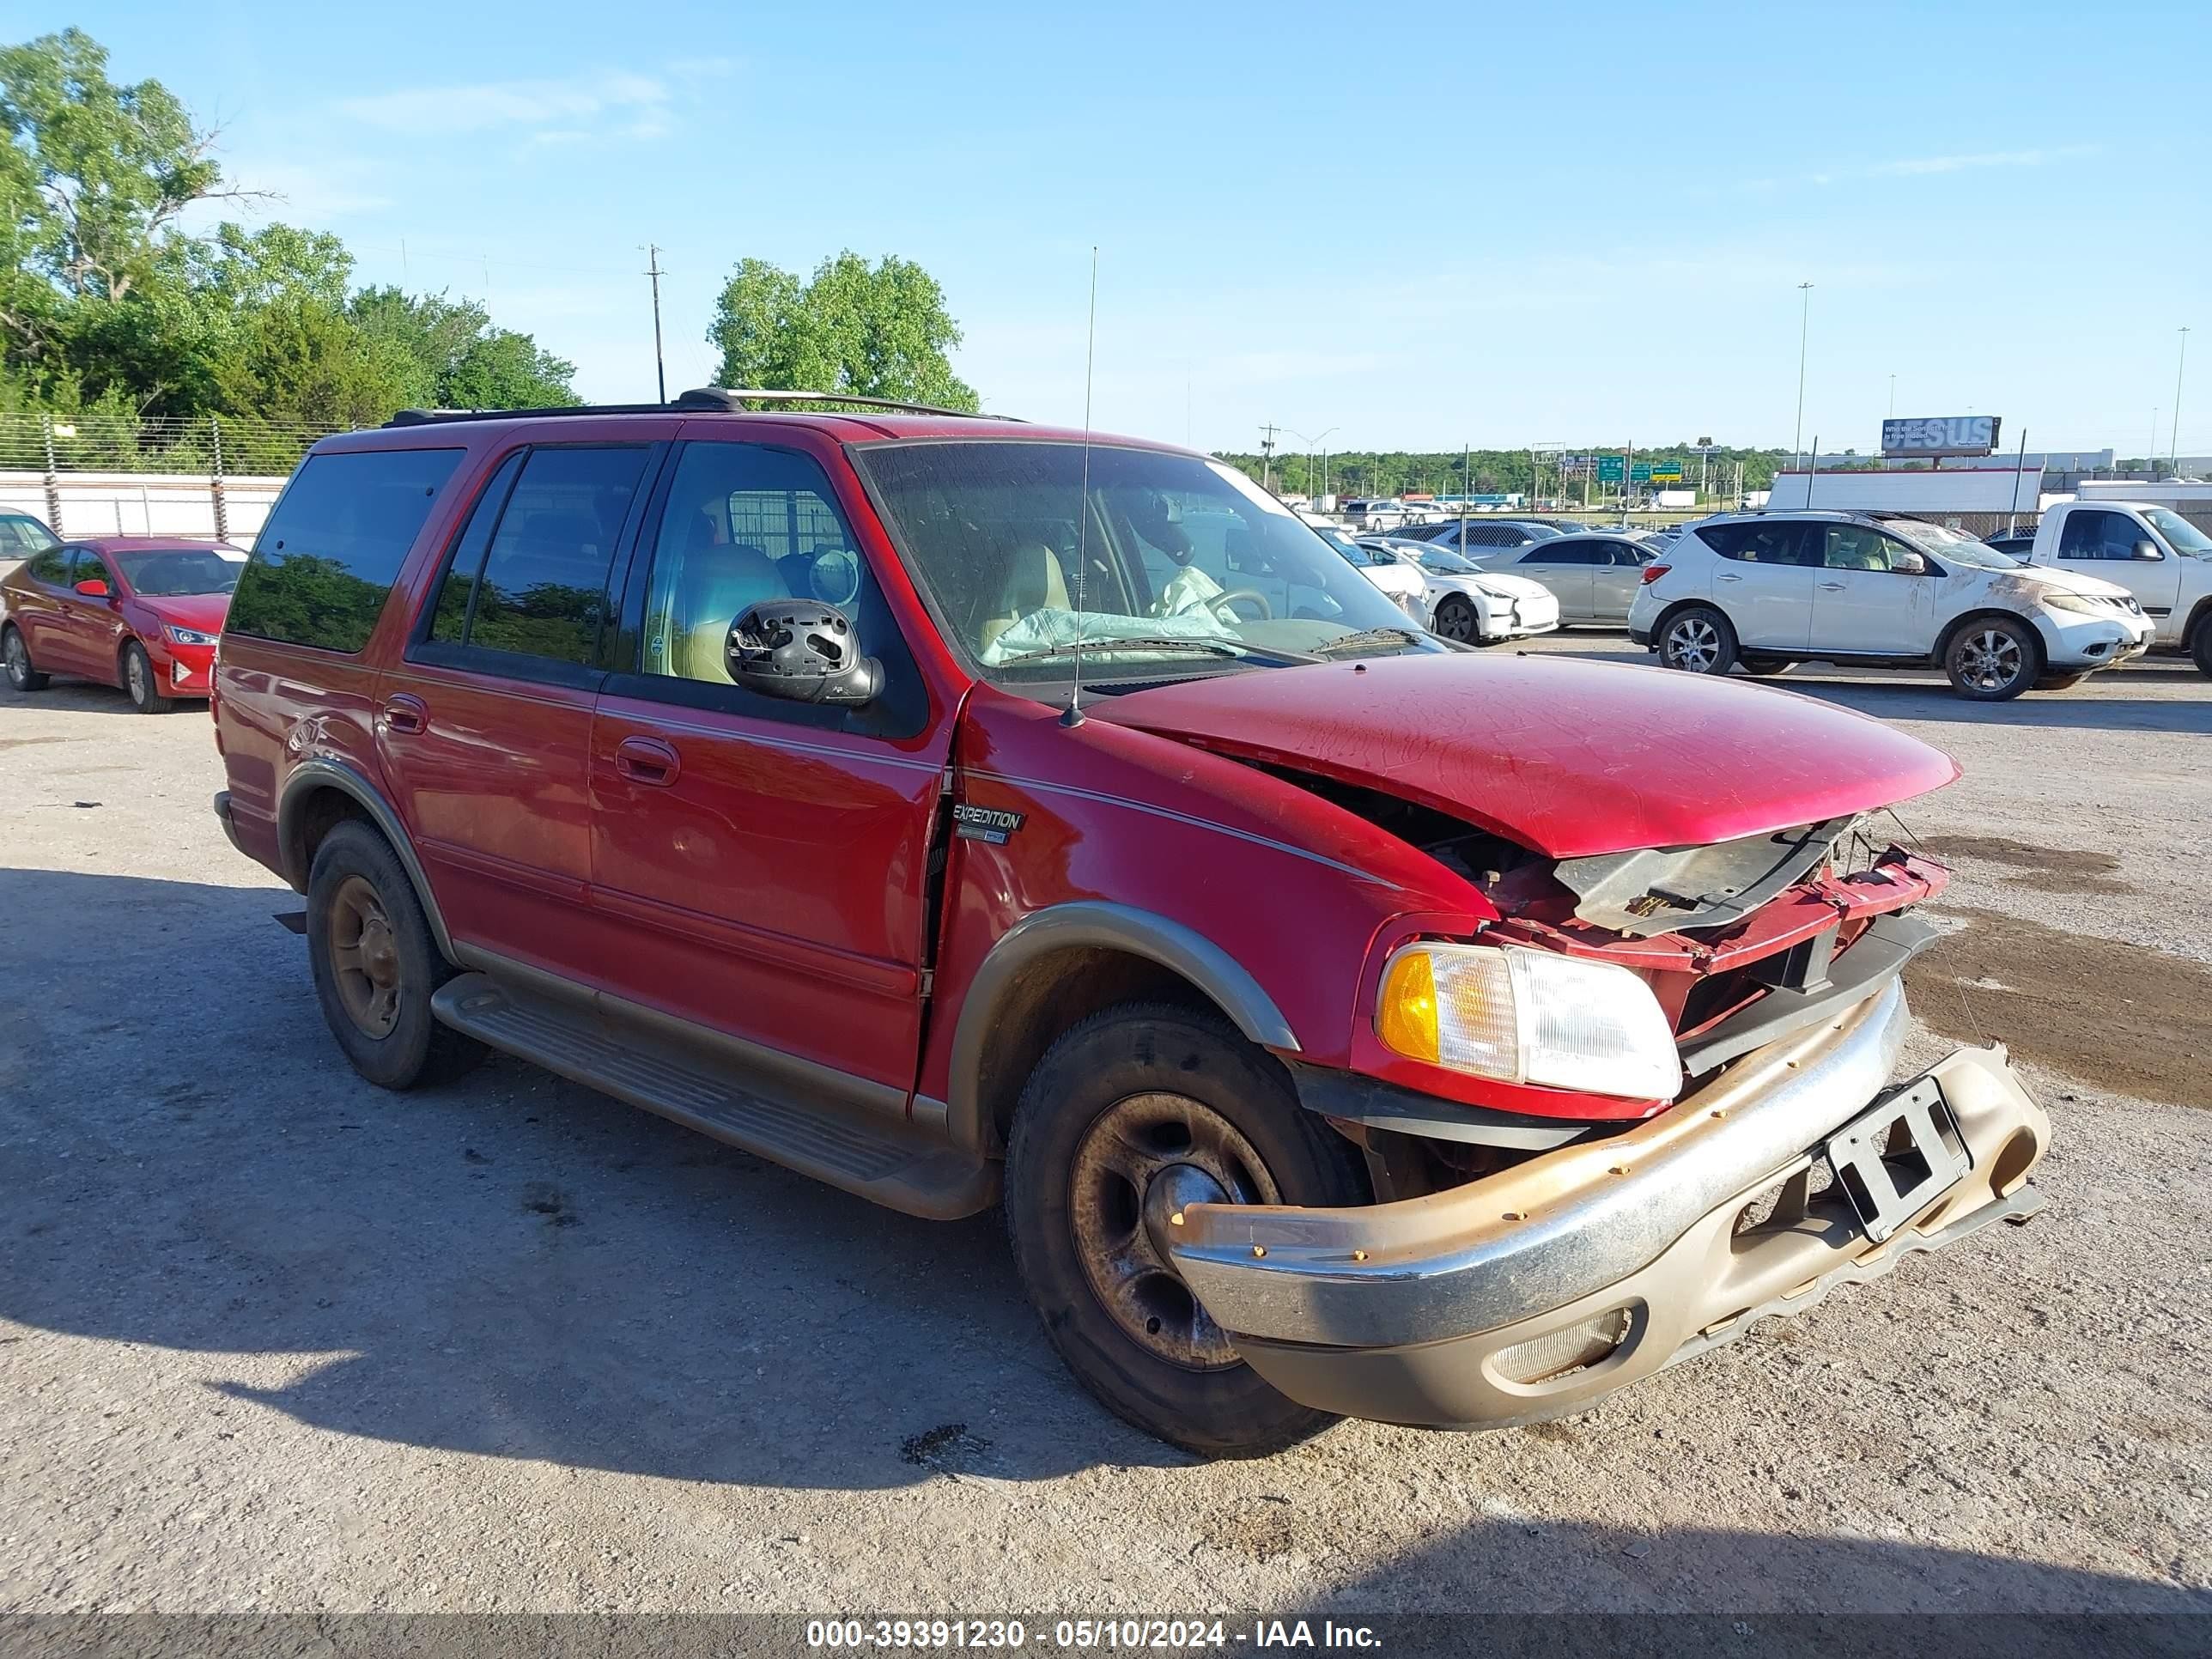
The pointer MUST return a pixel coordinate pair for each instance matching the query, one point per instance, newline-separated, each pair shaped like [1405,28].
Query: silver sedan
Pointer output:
[1594,577]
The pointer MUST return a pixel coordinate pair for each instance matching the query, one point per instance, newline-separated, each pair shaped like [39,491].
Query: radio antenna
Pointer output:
[1072,714]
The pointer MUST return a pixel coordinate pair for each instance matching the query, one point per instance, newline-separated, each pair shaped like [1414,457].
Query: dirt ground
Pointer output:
[272,1341]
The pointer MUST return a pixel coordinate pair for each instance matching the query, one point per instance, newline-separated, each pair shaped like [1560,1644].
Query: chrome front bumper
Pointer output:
[1425,1310]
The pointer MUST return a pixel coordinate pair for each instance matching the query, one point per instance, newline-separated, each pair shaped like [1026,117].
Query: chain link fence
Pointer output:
[102,473]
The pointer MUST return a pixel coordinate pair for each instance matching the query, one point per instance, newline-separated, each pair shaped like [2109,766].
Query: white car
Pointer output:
[1402,582]
[1767,590]
[1467,602]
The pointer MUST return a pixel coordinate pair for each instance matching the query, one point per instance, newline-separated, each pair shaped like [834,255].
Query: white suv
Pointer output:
[1768,589]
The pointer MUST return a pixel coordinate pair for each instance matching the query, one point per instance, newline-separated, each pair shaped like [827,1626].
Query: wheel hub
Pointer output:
[1991,659]
[1142,1162]
[365,958]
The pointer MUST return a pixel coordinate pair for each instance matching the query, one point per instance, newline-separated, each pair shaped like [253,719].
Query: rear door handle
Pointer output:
[1726,577]
[1832,587]
[648,761]
[405,713]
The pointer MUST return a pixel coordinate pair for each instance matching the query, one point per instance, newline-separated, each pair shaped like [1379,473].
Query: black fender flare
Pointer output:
[1094,924]
[309,778]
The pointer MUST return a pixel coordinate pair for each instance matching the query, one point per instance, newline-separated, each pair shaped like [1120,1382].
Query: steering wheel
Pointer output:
[1220,604]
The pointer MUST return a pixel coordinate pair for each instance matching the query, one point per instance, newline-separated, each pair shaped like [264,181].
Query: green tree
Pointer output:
[110,167]
[301,361]
[455,359]
[879,330]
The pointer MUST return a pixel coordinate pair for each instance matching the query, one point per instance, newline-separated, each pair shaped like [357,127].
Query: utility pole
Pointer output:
[2173,452]
[653,271]
[2151,459]
[1804,326]
[1266,453]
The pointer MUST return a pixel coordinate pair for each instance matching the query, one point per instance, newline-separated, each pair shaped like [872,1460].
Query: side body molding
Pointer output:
[1091,924]
[321,772]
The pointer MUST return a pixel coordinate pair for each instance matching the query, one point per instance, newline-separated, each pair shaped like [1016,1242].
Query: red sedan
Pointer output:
[140,612]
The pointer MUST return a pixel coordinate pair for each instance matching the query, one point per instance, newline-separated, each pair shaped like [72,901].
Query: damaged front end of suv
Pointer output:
[1647,1103]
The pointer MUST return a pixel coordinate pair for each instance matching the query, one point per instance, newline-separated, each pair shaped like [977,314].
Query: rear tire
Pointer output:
[16,654]
[140,684]
[1768,667]
[1698,640]
[1132,1105]
[2200,646]
[375,965]
[1993,659]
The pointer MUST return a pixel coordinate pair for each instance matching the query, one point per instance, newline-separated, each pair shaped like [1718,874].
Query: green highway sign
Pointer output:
[1640,472]
[1666,472]
[1610,469]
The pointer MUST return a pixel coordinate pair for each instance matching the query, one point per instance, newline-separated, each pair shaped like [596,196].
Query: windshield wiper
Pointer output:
[1370,636]
[1140,642]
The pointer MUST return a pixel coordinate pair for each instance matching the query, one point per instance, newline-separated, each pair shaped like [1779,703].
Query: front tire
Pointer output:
[1698,639]
[2200,646]
[375,963]
[1993,659]
[140,682]
[16,654]
[1133,1113]
[1458,620]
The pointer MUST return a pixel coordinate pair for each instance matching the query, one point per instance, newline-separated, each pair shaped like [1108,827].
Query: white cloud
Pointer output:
[1999,158]
[639,99]
[310,195]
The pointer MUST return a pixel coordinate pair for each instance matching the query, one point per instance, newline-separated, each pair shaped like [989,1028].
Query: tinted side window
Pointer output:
[334,544]
[2095,536]
[1779,542]
[49,566]
[542,588]
[449,622]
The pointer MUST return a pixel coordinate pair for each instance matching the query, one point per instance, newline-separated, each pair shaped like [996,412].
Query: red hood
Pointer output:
[205,612]
[1568,759]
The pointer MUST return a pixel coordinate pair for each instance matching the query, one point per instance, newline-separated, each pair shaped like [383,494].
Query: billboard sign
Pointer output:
[1949,434]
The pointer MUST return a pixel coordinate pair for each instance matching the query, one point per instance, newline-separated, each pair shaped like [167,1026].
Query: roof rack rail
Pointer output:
[735,398]
[717,399]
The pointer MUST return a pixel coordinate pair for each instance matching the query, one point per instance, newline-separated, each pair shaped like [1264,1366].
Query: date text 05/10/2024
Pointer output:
[1087,1635]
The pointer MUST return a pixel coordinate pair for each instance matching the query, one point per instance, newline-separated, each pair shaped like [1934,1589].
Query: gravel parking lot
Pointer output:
[272,1339]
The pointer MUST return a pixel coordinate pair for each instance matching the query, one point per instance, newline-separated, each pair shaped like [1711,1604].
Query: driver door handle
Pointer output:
[1728,577]
[648,761]
[1832,587]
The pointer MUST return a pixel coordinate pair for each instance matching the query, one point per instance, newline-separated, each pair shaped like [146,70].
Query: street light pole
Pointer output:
[2174,451]
[1804,327]
[1893,397]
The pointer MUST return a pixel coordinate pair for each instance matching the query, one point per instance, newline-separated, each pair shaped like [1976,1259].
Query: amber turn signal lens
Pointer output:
[1405,1009]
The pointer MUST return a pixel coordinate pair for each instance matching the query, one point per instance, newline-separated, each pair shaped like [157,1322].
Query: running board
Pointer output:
[863,1151]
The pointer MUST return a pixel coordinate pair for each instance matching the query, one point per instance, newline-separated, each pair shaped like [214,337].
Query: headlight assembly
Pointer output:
[1523,1016]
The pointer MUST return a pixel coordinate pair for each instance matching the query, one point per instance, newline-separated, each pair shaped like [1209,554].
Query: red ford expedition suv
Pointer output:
[963,812]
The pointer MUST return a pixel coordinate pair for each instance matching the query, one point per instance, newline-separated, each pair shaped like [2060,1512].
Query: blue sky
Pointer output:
[1419,225]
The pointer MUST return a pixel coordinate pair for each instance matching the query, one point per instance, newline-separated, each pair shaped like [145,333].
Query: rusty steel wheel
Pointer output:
[364,958]
[1141,1161]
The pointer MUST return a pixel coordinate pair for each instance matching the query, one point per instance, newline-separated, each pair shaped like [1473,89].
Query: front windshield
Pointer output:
[2180,535]
[1445,562]
[1955,545]
[1168,561]
[167,575]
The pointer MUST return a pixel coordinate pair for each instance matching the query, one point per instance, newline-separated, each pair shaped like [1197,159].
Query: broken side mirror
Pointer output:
[2148,550]
[803,651]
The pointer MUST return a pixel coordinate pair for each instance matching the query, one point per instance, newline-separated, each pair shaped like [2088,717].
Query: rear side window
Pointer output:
[543,590]
[1757,542]
[52,565]
[334,544]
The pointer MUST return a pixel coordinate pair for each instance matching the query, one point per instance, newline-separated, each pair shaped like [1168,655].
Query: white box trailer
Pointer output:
[1933,493]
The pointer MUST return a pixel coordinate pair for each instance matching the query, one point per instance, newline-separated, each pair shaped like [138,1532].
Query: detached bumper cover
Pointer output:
[1426,1310]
